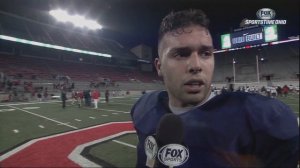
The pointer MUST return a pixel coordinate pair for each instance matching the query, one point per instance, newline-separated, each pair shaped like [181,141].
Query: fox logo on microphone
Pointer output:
[173,155]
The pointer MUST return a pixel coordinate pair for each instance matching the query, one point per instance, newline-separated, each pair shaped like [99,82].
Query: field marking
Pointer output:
[25,145]
[16,131]
[30,108]
[17,104]
[123,104]
[76,157]
[77,120]
[65,123]
[115,113]
[44,117]
[6,110]
[120,97]
[114,110]
[104,115]
[124,143]
[123,101]
[92,118]
[41,126]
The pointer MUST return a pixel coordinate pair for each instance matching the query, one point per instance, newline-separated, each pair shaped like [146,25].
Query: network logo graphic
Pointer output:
[265,17]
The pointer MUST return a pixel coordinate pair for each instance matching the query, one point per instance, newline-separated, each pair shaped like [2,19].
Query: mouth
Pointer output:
[193,86]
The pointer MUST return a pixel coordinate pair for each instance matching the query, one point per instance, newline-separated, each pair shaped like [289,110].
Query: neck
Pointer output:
[188,105]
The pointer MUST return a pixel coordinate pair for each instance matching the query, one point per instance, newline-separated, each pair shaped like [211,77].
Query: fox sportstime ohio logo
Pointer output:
[265,13]
[265,17]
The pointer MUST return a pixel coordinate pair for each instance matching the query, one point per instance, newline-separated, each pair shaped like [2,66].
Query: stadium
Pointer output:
[41,57]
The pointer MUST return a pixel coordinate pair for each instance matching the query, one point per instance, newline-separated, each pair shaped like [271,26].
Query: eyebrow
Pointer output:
[202,48]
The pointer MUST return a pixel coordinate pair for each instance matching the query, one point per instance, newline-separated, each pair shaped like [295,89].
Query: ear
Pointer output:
[157,63]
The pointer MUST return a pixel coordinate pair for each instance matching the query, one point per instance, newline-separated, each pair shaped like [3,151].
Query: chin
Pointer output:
[194,99]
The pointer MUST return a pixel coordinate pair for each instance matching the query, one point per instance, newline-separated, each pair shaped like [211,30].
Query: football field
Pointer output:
[45,134]
[21,123]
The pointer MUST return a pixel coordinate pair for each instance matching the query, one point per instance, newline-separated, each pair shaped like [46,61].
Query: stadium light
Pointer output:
[76,20]
[234,62]
[257,69]
[233,69]
[24,41]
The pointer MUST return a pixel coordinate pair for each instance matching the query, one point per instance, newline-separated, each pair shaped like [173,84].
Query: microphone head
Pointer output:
[169,130]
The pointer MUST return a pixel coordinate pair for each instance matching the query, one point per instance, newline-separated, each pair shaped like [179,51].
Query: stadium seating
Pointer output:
[280,61]
[44,63]
[48,69]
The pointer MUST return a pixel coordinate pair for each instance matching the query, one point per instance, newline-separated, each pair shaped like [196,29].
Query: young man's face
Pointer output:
[186,63]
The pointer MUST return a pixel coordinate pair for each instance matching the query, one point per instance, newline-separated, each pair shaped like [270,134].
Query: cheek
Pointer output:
[171,72]
[210,66]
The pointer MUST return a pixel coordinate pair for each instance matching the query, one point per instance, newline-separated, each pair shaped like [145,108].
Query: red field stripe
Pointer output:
[53,152]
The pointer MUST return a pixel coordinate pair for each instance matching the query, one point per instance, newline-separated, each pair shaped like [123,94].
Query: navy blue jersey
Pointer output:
[230,130]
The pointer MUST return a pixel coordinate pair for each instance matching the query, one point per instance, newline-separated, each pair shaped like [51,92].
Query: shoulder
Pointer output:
[148,108]
[243,98]
[151,98]
[271,116]
[255,104]
[232,99]
[147,102]
[263,114]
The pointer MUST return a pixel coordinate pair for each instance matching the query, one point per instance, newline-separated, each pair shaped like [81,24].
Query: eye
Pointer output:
[182,53]
[206,53]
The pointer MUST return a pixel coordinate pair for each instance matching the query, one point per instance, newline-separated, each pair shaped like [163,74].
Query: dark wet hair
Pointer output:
[176,21]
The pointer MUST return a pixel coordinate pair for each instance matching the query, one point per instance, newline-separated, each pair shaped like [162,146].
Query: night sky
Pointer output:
[132,22]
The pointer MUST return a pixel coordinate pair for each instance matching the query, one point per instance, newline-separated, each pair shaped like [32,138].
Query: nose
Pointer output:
[194,64]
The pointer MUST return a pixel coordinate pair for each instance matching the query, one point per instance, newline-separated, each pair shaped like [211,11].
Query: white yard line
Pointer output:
[122,104]
[6,110]
[124,143]
[16,131]
[114,110]
[120,97]
[43,117]
[30,108]
[41,126]
[16,104]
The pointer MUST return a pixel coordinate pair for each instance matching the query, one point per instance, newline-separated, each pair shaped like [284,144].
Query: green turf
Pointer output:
[28,127]
[117,154]
[131,139]
[292,100]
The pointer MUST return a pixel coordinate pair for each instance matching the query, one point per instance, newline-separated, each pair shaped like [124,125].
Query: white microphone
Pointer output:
[151,151]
